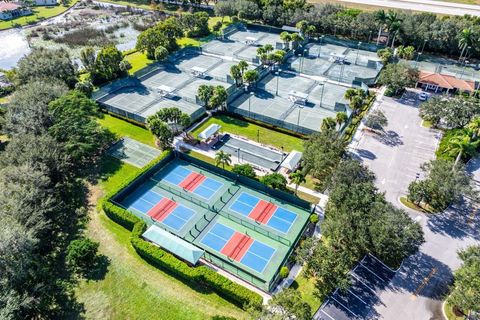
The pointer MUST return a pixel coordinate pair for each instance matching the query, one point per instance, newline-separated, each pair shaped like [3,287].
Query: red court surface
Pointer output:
[192,181]
[162,209]
[237,246]
[263,211]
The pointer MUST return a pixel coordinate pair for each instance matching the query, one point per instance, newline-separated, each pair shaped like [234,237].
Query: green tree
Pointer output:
[236,74]
[108,64]
[161,53]
[250,77]
[376,120]
[341,118]
[286,38]
[288,304]
[44,63]
[150,39]
[453,112]
[474,127]
[205,93]
[161,130]
[466,289]
[219,97]
[380,18]
[244,170]
[297,178]
[462,146]
[223,158]
[328,123]
[466,38]
[275,181]
[397,77]
[87,57]
[385,54]
[82,254]
[242,66]
[356,97]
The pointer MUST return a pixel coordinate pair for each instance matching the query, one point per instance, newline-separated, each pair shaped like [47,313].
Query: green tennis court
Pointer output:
[133,152]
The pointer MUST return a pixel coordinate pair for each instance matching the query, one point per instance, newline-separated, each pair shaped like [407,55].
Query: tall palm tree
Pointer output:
[236,74]
[356,97]
[242,66]
[297,178]
[328,124]
[461,146]
[268,48]
[466,39]
[286,38]
[250,77]
[222,158]
[393,23]
[474,127]
[381,18]
[341,118]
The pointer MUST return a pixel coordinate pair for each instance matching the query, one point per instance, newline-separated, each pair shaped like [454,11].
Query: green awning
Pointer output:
[179,247]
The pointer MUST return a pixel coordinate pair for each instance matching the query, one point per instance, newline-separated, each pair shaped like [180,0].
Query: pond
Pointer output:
[15,48]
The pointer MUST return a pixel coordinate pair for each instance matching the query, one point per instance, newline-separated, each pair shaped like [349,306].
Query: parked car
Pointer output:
[423,96]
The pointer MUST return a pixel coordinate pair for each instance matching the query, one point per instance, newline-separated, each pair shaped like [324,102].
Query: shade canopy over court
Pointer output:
[174,244]
[210,131]
[241,229]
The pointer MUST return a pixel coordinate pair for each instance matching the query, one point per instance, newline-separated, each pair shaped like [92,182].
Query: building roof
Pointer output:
[446,81]
[173,244]
[292,160]
[209,131]
[8,6]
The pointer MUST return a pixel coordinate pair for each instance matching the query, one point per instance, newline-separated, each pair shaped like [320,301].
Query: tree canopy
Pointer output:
[452,112]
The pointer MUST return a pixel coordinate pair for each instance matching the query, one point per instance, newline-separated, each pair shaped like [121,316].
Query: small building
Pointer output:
[11,10]
[210,132]
[292,161]
[438,82]
[46,2]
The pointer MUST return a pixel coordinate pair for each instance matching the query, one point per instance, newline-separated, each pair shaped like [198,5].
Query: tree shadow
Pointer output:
[365,154]
[389,138]
[457,221]
[423,275]
[99,270]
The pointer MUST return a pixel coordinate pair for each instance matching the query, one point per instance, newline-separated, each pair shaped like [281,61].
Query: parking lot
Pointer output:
[358,301]
[395,155]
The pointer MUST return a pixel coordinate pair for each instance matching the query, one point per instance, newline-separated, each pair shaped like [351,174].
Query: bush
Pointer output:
[244,170]
[82,254]
[313,218]
[284,271]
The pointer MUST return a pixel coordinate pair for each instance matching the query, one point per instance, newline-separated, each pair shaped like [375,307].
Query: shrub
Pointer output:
[82,254]
[313,218]
[284,271]
[244,170]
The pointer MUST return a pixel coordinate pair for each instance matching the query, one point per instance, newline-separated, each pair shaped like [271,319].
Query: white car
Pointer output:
[423,96]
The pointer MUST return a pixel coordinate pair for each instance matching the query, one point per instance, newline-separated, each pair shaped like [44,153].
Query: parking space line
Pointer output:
[357,296]
[375,258]
[425,281]
[373,273]
[327,314]
[345,307]
[368,287]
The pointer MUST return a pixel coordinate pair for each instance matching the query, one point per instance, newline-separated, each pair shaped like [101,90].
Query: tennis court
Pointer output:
[190,181]
[444,66]
[133,152]
[264,212]
[238,246]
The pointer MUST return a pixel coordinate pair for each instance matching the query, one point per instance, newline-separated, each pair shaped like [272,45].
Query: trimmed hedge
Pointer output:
[201,276]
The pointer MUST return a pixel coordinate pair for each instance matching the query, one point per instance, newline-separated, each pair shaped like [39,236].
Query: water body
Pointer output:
[13,46]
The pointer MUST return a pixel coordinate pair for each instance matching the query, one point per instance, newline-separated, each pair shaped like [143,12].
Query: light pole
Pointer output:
[424,43]
[249,102]
[358,51]
[418,57]
[278,76]
[323,89]
[370,36]
[238,154]
[320,48]
[300,107]
[464,68]
[299,63]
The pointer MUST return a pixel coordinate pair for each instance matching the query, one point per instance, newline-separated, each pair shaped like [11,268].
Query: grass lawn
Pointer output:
[306,196]
[206,159]
[306,286]
[124,128]
[138,60]
[131,288]
[6,99]
[249,130]
[451,314]
[426,124]
[39,13]
[413,206]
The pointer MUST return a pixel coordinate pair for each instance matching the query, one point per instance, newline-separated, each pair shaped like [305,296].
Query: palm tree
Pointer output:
[381,19]
[394,29]
[250,77]
[328,124]
[236,74]
[341,118]
[205,93]
[286,38]
[461,146]
[356,98]
[393,23]
[222,158]
[297,178]
[296,39]
[466,39]
[474,127]
[242,66]
[268,48]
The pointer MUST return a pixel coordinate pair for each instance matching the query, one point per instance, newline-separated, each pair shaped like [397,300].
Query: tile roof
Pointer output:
[8,6]
[446,81]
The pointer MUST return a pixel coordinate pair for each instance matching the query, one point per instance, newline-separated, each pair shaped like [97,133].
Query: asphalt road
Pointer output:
[419,286]
[439,7]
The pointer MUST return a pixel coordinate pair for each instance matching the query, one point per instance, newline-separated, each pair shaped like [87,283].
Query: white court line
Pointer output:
[345,307]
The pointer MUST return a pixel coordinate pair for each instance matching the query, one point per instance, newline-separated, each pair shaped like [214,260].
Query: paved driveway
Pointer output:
[419,286]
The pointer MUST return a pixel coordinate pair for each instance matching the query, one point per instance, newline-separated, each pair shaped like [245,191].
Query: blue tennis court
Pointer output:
[255,208]
[146,202]
[205,188]
[238,246]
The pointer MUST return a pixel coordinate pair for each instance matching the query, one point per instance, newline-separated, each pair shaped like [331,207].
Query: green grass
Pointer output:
[249,130]
[39,13]
[206,159]
[138,60]
[424,208]
[306,287]
[451,314]
[426,124]
[124,128]
[307,197]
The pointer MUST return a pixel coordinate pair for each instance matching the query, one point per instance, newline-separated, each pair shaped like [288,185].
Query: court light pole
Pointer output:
[300,107]
[323,90]
[249,103]
[278,76]
[299,63]
[424,43]
[258,135]
[418,57]
[320,48]
[358,51]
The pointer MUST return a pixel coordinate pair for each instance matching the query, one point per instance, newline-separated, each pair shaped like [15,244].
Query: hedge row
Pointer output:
[352,127]
[201,276]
